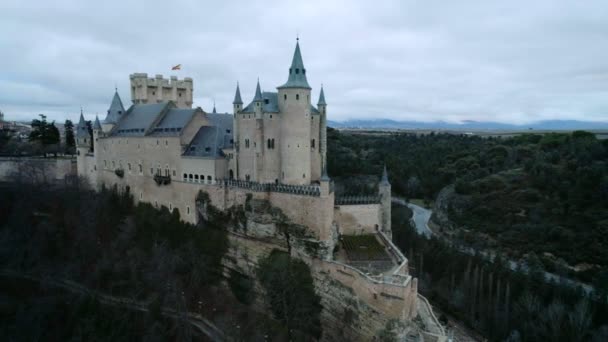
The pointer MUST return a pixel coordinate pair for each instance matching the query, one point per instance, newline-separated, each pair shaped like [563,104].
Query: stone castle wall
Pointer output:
[357,219]
[41,169]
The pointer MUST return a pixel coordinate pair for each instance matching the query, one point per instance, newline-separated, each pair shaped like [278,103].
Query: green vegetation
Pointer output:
[545,194]
[363,247]
[290,289]
[107,244]
[503,305]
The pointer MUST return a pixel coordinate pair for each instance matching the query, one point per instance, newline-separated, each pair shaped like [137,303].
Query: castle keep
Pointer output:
[270,153]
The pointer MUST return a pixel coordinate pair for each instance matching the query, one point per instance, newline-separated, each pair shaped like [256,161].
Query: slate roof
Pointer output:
[297,72]
[258,93]
[210,140]
[137,120]
[173,122]
[116,110]
[97,124]
[384,180]
[237,95]
[81,130]
[322,98]
[271,104]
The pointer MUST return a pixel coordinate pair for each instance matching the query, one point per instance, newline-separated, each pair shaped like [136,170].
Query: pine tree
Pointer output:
[70,142]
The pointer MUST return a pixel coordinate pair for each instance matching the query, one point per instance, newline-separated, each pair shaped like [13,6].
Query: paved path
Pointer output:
[420,216]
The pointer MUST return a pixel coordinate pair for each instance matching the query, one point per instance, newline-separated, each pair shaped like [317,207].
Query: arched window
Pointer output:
[268,143]
[272,143]
[188,210]
[285,97]
[312,143]
[297,96]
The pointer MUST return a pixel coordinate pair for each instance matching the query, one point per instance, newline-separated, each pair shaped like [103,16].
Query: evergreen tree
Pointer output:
[70,142]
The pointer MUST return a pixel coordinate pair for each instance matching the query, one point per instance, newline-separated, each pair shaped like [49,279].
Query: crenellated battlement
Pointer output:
[304,190]
[146,89]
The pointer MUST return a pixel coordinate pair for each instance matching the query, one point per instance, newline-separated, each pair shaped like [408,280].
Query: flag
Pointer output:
[177,67]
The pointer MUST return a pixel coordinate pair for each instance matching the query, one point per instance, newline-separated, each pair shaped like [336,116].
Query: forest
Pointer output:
[490,298]
[537,197]
[105,244]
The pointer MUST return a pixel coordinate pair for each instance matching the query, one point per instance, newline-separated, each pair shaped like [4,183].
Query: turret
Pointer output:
[294,105]
[237,103]
[115,112]
[384,190]
[322,106]
[325,183]
[237,106]
[82,134]
[97,129]
[258,101]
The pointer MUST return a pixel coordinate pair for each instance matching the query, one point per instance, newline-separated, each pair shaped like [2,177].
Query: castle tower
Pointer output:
[294,105]
[257,143]
[322,106]
[115,112]
[83,145]
[237,106]
[325,183]
[384,190]
[97,131]
[258,101]
[158,89]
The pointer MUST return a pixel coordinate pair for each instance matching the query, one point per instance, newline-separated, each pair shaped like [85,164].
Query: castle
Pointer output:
[273,151]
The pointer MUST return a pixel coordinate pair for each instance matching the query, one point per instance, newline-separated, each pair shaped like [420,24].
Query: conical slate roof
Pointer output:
[237,96]
[297,72]
[116,110]
[322,98]
[82,130]
[384,180]
[97,124]
[258,93]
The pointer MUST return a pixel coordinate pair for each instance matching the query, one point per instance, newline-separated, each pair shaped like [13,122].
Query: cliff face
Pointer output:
[257,228]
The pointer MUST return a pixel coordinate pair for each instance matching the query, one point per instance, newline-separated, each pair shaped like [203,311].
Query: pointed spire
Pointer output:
[116,109]
[81,129]
[214,111]
[237,96]
[322,98]
[297,72]
[258,92]
[384,180]
[97,124]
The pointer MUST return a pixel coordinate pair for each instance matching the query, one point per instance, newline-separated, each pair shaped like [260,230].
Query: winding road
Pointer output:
[420,216]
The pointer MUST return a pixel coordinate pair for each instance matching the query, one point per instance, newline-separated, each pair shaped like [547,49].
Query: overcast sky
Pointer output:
[508,61]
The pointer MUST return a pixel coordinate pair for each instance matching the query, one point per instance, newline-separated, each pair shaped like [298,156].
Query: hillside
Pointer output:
[530,193]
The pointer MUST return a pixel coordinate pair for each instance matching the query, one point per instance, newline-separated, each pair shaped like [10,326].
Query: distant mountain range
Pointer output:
[468,125]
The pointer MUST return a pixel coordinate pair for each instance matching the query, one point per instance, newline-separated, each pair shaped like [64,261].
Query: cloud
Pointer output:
[515,61]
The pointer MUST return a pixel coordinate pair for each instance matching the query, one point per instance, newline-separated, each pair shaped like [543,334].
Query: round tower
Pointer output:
[237,106]
[83,145]
[322,106]
[294,105]
[384,190]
